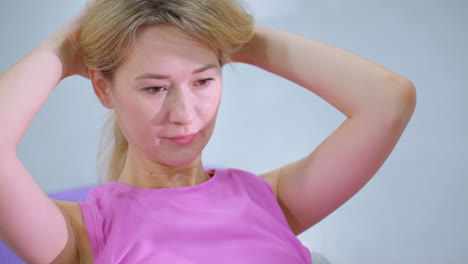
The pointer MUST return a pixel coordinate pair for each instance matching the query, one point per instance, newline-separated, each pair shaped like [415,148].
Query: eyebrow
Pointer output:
[150,75]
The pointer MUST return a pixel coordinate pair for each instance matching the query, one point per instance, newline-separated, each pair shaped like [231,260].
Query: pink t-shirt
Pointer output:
[231,218]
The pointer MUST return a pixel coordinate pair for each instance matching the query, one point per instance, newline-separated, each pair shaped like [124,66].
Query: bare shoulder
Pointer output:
[272,178]
[72,211]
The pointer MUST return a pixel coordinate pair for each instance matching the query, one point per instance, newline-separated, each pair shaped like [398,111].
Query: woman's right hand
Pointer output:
[65,44]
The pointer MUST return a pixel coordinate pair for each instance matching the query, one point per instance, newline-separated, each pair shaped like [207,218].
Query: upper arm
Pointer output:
[31,224]
[69,253]
[313,187]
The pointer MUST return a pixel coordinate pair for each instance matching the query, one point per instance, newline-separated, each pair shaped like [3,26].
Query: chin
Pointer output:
[178,162]
[180,158]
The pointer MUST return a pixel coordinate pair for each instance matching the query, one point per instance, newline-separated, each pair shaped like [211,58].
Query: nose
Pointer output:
[181,110]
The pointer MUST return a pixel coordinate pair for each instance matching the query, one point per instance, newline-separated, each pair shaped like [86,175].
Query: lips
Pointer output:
[183,139]
[182,136]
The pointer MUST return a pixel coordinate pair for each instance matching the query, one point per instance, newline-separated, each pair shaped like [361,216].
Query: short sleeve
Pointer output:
[94,220]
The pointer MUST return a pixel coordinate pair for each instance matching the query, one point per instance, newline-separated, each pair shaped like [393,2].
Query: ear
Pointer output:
[102,87]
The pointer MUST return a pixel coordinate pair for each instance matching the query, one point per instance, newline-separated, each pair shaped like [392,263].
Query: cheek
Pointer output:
[207,111]
[209,115]
[210,102]
[135,118]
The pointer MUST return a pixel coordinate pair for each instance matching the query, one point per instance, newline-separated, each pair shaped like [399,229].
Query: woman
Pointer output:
[158,64]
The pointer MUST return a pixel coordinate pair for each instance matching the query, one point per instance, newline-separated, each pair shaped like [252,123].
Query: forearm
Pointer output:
[350,83]
[24,88]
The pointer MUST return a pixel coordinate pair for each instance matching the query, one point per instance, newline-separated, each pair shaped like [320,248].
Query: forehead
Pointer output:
[168,46]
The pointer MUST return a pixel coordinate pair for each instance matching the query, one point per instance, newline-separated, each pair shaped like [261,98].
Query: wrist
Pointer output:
[254,49]
[59,47]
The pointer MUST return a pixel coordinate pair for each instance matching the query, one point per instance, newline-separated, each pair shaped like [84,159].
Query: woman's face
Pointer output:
[168,86]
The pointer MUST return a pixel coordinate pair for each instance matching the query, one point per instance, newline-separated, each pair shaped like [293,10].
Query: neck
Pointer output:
[143,173]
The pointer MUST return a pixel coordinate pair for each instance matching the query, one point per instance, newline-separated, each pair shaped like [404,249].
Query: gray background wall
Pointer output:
[413,211]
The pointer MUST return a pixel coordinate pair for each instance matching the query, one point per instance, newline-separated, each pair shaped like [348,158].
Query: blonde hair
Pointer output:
[111,27]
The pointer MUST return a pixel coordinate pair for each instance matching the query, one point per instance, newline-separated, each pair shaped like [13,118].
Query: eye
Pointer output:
[154,90]
[203,82]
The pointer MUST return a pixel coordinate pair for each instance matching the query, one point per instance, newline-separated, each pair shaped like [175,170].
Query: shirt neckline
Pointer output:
[168,191]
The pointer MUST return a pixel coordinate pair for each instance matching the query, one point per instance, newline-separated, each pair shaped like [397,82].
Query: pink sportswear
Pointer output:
[233,218]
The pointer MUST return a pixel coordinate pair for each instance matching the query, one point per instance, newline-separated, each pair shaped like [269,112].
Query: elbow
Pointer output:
[405,100]
[6,148]
[404,103]
[409,97]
